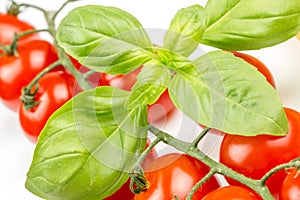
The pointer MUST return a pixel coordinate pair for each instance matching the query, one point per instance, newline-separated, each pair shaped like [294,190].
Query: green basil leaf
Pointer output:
[152,81]
[185,31]
[250,24]
[230,95]
[105,39]
[88,146]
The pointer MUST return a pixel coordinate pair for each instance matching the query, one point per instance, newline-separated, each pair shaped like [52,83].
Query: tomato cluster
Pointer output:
[170,176]
[20,66]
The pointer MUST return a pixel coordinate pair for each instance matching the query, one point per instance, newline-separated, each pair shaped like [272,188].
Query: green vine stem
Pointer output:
[62,7]
[293,164]
[201,182]
[11,49]
[214,166]
[200,136]
[28,95]
[63,57]
[138,183]
[148,149]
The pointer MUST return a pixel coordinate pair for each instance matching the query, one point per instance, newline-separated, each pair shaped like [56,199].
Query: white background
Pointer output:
[16,150]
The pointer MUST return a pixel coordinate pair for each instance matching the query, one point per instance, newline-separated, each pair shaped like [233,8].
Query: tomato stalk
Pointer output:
[11,49]
[138,182]
[13,9]
[63,57]
[200,183]
[200,136]
[214,166]
[28,96]
[62,7]
[294,163]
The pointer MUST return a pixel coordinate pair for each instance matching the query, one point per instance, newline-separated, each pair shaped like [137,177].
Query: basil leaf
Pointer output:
[88,146]
[105,39]
[230,95]
[185,31]
[151,83]
[250,24]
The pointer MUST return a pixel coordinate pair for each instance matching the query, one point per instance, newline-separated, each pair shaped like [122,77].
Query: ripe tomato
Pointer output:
[9,25]
[55,88]
[230,193]
[176,174]
[157,111]
[124,192]
[254,156]
[290,189]
[17,71]
[258,64]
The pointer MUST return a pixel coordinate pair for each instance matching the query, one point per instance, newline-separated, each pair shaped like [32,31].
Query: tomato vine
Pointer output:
[217,90]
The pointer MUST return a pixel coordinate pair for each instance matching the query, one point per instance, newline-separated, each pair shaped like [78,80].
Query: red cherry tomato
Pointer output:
[230,193]
[176,174]
[55,88]
[290,189]
[254,156]
[17,71]
[261,67]
[124,192]
[9,25]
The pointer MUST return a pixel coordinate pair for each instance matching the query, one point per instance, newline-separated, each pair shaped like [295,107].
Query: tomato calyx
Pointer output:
[28,97]
[138,181]
[11,49]
[13,9]
[29,92]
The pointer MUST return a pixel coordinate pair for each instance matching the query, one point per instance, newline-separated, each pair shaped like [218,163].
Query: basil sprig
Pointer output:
[89,144]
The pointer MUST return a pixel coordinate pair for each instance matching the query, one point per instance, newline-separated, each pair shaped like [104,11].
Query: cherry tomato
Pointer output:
[290,189]
[17,71]
[176,174]
[254,156]
[9,25]
[230,193]
[124,192]
[261,67]
[55,88]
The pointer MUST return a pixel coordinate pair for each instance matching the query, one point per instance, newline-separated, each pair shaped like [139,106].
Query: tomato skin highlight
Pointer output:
[9,25]
[55,89]
[290,189]
[254,156]
[17,72]
[176,174]
[230,193]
